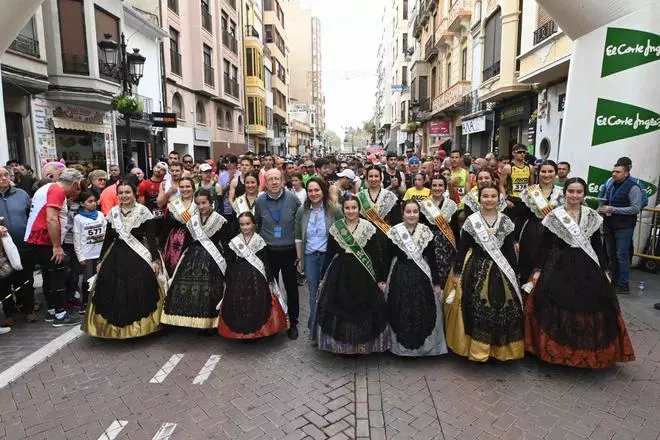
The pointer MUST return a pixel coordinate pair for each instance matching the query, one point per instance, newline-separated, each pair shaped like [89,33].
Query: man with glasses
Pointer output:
[188,165]
[514,179]
[97,180]
[308,171]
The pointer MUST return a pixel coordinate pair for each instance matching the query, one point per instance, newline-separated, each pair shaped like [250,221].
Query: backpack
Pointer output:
[645,194]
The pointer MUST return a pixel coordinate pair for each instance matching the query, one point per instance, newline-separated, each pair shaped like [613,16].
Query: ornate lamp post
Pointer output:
[127,68]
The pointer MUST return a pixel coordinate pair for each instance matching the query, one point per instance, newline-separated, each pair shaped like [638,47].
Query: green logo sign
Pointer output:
[618,120]
[597,177]
[628,48]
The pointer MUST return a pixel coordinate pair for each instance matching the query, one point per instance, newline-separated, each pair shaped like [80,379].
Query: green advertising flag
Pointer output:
[597,177]
[628,48]
[617,120]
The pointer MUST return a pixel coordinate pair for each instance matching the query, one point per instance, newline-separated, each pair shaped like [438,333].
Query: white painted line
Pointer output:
[207,369]
[113,430]
[27,363]
[167,368]
[165,431]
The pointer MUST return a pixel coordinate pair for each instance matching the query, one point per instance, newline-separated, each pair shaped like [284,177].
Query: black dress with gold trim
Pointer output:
[126,296]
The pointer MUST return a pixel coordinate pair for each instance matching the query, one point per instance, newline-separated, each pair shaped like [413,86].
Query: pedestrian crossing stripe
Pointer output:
[165,432]
[207,369]
[174,360]
[113,430]
[162,374]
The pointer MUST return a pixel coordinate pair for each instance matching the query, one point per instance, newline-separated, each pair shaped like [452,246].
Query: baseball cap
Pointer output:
[205,167]
[414,160]
[348,173]
[442,154]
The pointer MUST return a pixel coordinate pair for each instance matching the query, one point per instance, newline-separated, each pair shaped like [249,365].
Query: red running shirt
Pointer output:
[50,195]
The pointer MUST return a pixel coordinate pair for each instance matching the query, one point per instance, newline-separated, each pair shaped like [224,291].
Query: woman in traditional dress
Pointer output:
[377,203]
[540,200]
[484,312]
[253,305]
[198,282]
[351,313]
[180,210]
[572,316]
[439,214]
[471,199]
[127,295]
[414,293]
[245,202]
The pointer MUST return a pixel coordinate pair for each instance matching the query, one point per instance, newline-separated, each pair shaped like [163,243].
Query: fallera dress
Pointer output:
[572,316]
[126,295]
[351,312]
[253,306]
[444,232]
[415,312]
[198,281]
[175,233]
[484,315]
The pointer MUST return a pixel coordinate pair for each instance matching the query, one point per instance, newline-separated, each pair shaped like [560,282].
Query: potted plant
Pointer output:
[127,104]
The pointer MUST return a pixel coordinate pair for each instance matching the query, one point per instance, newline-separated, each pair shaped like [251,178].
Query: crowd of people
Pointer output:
[416,256]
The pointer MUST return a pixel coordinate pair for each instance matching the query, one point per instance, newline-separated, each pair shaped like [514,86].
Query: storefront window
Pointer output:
[81,147]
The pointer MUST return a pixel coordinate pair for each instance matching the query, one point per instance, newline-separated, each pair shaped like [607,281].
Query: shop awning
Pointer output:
[439,143]
[68,124]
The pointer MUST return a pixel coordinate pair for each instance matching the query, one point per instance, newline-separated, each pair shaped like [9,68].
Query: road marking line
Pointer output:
[165,431]
[207,369]
[113,430]
[30,361]
[167,368]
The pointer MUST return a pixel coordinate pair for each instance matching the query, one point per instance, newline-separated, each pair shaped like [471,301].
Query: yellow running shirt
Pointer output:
[520,179]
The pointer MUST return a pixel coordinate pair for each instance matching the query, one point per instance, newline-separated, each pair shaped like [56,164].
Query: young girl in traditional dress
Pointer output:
[540,200]
[484,316]
[179,212]
[471,199]
[351,313]
[198,281]
[126,296]
[572,316]
[414,293]
[253,305]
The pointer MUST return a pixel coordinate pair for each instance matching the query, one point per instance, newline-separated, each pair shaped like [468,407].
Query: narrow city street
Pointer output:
[180,385]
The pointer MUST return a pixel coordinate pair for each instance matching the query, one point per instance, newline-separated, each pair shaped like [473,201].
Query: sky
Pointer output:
[350,35]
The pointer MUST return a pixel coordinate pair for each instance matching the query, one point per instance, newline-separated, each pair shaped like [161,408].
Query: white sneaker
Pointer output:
[4,330]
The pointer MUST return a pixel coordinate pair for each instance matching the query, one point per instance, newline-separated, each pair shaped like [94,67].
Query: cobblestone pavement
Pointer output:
[181,385]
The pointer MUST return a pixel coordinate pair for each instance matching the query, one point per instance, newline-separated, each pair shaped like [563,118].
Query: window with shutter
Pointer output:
[543,17]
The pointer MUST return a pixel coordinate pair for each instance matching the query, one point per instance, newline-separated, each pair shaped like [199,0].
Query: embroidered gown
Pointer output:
[472,205]
[126,296]
[351,313]
[175,230]
[250,308]
[197,284]
[485,317]
[572,316]
[529,229]
[415,312]
[444,251]
[387,206]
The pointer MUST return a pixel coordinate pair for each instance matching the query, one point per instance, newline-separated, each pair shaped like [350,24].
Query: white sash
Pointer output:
[208,245]
[576,233]
[241,205]
[402,238]
[236,244]
[128,238]
[431,210]
[492,247]
[180,211]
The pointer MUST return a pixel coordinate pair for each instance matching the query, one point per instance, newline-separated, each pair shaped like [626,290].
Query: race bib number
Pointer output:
[519,187]
[94,234]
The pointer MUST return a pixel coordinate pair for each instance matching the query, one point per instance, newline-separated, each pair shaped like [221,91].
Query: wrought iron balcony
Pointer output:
[26,45]
[429,49]
[472,104]
[229,41]
[545,31]
[175,61]
[491,71]
[209,75]
[75,64]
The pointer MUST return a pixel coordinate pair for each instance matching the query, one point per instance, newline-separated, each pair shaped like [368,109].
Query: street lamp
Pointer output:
[127,68]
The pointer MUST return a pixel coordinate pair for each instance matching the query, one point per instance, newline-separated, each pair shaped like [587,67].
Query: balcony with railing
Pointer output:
[175,62]
[231,87]
[452,98]
[207,19]
[459,15]
[229,41]
[147,103]
[75,64]
[209,75]
[472,104]
[545,32]
[26,45]
[251,32]
[491,71]
[430,51]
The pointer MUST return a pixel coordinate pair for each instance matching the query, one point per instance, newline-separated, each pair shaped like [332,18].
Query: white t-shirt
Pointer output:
[88,236]
[302,194]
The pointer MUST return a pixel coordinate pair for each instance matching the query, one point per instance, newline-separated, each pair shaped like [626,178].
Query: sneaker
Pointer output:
[623,290]
[50,316]
[292,333]
[32,317]
[4,330]
[66,320]
[83,309]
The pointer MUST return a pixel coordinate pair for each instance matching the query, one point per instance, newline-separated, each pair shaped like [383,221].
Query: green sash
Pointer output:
[357,250]
[370,211]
